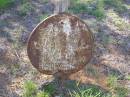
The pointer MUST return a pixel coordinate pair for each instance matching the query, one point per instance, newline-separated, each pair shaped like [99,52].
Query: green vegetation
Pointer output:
[44,1]
[14,69]
[6,35]
[5,3]
[108,40]
[84,93]
[116,89]
[117,20]
[91,91]
[91,71]
[128,77]
[50,88]
[121,91]
[116,4]
[78,7]
[42,17]
[92,7]
[112,81]
[42,94]
[99,11]
[25,8]
[96,7]
[30,90]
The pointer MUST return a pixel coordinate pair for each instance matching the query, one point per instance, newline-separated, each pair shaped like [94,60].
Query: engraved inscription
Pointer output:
[58,46]
[61,43]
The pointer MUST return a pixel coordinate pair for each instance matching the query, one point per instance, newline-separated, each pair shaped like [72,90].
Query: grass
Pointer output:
[91,71]
[42,17]
[6,35]
[91,91]
[14,68]
[121,91]
[84,93]
[44,1]
[42,94]
[26,8]
[31,90]
[50,88]
[128,77]
[91,7]
[96,7]
[116,89]
[78,8]
[119,22]
[112,81]
[108,40]
[99,11]
[5,3]
[117,5]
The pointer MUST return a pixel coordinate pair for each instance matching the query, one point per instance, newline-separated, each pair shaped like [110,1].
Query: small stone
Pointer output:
[128,47]
[24,37]
[3,50]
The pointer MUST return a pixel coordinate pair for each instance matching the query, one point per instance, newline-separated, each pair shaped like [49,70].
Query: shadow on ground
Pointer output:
[67,88]
[4,89]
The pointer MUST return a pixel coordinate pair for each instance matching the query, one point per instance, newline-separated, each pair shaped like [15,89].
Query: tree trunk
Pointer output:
[60,5]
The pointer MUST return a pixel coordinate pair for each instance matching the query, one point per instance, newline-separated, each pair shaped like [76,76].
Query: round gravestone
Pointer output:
[61,43]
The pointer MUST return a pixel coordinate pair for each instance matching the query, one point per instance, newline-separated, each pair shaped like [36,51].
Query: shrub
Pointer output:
[112,81]
[118,21]
[5,3]
[95,8]
[78,8]
[6,35]
[44,1]
[25,8]
[128,77]
[116,4]
[89,91]
[42,17]
[42,94]
[30,89]
[50,88]
[121,91]
[99,11]
[116,89]
[84,93]
[91,71]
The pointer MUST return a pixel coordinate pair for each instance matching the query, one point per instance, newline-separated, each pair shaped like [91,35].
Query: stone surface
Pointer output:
[3,50]
[24,37]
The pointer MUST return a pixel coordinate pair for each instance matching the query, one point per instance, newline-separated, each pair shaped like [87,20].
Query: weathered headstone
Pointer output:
[61,44]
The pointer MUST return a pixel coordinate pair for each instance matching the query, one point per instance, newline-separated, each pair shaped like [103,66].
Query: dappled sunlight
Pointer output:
[115,22]
[109,21]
